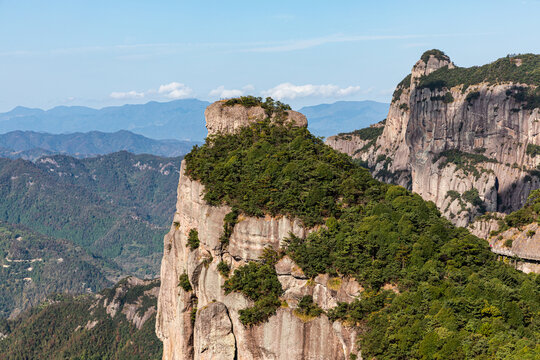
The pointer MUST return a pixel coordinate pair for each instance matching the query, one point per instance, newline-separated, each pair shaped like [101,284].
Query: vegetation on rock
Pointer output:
[369,133]
[438,54]
[269,105]
[259,283]
[528,214]
[307,308]
[403,84]
[504,70]
[467,162]
[229,221]
[193,239]
[184,283]
[452,298]
[532,150]
[275,169]
[224,269]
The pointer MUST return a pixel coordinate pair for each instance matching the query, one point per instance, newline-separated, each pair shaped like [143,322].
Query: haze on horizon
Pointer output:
[101,53]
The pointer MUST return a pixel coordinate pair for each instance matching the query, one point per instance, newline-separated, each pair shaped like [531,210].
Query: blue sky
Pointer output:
[99,53]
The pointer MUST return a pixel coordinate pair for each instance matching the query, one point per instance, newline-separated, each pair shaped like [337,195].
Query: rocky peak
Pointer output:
[430,61]
[227,116]
[464,138]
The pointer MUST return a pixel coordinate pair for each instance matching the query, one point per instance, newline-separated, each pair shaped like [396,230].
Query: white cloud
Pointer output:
[127,95]
[291,91]
[175,90]
[223,93]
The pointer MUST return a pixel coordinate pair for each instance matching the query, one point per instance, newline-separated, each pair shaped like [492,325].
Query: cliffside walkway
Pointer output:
[522,255]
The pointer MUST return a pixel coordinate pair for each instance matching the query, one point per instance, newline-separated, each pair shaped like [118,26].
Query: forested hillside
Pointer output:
[118,323]
[35,266]
[116,206]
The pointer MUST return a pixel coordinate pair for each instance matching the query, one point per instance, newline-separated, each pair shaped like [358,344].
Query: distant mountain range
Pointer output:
[30,145]
[343,116]
[179,119]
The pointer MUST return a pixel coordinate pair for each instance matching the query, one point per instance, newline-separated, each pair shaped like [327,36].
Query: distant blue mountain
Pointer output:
[343,116]
[179,119]
[30,145]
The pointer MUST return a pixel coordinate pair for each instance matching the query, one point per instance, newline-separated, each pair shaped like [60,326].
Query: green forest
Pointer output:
[116,206]
[35,265]
[67,327]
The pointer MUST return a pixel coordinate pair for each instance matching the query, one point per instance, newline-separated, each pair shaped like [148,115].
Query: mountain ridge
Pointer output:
[178,119]
[116,206]
[30,145]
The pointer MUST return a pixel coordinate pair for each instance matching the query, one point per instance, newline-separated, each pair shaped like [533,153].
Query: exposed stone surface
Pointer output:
[215,338]
[483,227]
[116,304]
[350,143]
[420,125]
[523,243]
[284,336]
[221,118]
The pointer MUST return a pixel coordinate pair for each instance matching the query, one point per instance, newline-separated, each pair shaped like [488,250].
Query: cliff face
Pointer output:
[204,323]
[222,118]
[469,148]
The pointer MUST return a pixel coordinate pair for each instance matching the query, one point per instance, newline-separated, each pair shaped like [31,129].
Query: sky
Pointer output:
[102,53]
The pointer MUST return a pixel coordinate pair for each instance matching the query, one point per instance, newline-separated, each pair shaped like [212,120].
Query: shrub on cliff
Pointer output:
[440,55]
[184,283]
[307,308]
[257,282]
[193,239]
[269,105]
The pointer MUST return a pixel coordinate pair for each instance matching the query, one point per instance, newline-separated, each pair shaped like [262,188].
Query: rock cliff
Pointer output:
[203,322]
[224,118]
[464,138]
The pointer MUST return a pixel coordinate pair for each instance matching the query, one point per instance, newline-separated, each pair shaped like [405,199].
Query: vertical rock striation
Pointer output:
[469,148]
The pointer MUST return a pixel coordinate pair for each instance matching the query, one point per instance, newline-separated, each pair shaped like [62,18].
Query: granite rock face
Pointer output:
[424,126]
[204,323]
[221,118]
